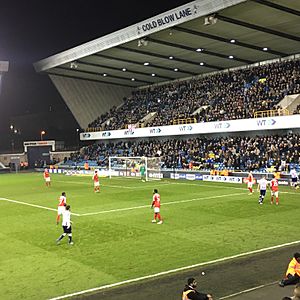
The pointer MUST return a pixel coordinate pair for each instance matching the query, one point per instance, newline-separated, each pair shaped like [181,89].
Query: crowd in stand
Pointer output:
[297,110]
[238,153]
[224,96]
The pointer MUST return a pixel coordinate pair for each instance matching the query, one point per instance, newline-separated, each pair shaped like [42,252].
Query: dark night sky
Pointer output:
[33,30]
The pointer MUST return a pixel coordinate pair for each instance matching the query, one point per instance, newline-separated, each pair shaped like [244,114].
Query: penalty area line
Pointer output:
[175,271]
[163,204]
[32,205]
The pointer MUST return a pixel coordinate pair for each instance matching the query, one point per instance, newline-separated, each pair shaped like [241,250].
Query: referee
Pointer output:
[66,224]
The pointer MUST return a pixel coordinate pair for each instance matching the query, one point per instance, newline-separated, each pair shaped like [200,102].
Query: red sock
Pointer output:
[272,199]
[277,200]
[155,216]
[57,218]
[250,189]
[158,215]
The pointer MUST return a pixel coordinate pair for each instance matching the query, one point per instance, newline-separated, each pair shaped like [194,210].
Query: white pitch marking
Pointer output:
[248,290]
[174,270]
[166,203]
[173,183]
[113,186]
[33,205]
[211,185]
[126,208]
[227,187]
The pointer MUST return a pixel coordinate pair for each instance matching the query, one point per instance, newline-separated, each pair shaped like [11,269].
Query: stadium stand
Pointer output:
[256,153]
[224,96]
[297,110]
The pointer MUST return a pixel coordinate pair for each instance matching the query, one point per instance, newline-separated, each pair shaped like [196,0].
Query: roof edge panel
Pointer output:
[176,16]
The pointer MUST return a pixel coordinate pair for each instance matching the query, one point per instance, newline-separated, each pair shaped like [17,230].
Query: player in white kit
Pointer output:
[262,188]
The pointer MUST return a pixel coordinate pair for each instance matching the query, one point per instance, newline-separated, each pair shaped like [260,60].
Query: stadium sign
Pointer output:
[38,144]
[166,19]
[283,122]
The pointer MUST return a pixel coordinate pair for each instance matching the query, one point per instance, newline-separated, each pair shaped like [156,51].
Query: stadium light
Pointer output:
[11,127]
[132,79]
[171,57]
[124,69]
[142,42]
[210,20]
[104,74]
[199,49]
[230,56]
[73,65]
[43,132]
[265,49]
[201,64]
[176,70]
[146,63]
[232,41]
[153,74]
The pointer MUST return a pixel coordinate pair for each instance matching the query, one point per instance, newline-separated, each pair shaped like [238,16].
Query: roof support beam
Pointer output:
[167,58]
[258,28]
[193,50]
[52,72]
[138,63]
[278,6]
[117,69]
[97,74]
[221,39]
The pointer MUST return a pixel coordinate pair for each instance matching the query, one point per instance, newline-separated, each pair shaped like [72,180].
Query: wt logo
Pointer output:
[222,125]
[266,122]
[155,130]
[186,128]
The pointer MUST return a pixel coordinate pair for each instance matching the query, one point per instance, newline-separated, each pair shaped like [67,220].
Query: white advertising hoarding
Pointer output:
[227,179]
[259,124]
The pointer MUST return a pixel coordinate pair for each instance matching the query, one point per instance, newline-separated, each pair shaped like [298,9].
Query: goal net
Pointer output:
[145,168]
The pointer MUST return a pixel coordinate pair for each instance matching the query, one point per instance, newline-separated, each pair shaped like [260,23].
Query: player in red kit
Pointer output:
[156,205]
[250,183]
[47,177]
[274,190]
[62,202]
[96,182]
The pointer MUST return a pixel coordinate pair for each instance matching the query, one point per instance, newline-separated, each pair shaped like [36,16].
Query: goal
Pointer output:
[130,167]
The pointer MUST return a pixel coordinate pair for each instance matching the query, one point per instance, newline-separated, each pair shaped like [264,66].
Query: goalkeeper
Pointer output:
[143,172]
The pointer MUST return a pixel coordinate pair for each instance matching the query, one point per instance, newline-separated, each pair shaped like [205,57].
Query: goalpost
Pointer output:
[130,167]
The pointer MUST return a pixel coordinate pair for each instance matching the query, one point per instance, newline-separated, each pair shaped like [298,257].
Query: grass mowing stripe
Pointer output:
[166,203]
[174,270]
[33,205]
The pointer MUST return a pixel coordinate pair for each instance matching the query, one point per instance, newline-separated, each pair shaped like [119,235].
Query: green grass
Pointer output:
[115,246]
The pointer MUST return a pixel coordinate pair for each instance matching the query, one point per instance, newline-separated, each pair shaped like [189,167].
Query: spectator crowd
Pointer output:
[238,153]
[224,96]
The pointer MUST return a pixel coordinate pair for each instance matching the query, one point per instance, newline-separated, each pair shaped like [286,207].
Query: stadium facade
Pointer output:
[196,39]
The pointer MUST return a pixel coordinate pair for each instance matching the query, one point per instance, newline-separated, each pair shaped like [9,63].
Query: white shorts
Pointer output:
[250,184]
[61,210]
[274,193]
[96,184]
[47,179]
[156,209]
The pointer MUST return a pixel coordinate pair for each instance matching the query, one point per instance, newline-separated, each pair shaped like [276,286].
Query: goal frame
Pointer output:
[141,158]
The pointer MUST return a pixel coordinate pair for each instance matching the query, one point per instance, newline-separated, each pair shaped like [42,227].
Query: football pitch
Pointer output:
[114,239]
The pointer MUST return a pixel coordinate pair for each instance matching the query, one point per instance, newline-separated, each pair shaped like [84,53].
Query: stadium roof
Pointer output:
[178,44]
